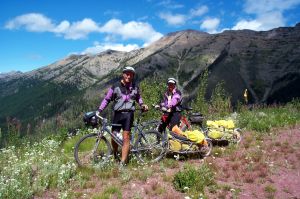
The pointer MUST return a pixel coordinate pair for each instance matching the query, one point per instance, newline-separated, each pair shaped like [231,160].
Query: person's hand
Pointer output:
[144,107]
[157,107]
[98,112]
[164,109]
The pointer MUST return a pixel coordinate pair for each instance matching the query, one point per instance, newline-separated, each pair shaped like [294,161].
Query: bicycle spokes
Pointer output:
[92,150]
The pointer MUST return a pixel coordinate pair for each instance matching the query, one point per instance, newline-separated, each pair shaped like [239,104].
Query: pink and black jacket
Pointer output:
[124,97]
[175,103]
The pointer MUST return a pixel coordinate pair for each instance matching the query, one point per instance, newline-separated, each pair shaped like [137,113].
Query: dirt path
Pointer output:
[262,168]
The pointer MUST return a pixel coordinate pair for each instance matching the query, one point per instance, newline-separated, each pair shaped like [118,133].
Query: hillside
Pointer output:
[267,63]
[265,164]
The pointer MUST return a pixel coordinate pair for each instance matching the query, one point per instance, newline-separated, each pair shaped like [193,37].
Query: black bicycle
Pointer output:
[94,148]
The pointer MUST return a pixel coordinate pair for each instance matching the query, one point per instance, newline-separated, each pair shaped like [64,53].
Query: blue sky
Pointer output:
[36,33]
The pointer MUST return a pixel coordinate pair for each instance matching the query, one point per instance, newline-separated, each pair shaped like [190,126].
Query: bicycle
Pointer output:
[94,148]
[188,147]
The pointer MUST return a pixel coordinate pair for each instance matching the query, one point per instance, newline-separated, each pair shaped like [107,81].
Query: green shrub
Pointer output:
[200,104]
[193,180]
[152,92]
[220,103]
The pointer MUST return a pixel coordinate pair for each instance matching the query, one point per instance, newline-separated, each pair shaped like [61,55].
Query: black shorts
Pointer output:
[123,118]
[172,119]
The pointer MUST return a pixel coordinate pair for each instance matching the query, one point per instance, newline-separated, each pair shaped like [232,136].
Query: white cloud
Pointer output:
[35,22]
[268,14]
[97,48]
[81,29]
[271,20]
[62,27]
[198,11]
[173,19]
[210,25]
[263,6]
[170,4]
[244,24]
[131,30]
[181,19]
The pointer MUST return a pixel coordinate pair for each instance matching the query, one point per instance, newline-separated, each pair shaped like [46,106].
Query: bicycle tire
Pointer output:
[150,147]
[91,150]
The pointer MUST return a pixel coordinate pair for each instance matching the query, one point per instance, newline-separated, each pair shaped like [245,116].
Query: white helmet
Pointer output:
[171,80]
[128,69]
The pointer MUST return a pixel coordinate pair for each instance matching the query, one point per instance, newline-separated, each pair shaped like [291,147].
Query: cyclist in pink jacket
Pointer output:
[171,103]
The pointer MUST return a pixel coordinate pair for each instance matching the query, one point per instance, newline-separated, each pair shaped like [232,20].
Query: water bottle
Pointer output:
[119,135]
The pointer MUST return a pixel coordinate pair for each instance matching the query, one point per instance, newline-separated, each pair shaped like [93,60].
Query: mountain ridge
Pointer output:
[267,63]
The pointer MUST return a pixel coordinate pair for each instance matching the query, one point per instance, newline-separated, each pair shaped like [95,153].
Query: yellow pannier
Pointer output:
[175,145]
[227,124]
[195,136]
[215,134]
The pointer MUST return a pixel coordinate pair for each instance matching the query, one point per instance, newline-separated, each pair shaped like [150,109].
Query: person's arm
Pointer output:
[140,101]
[164,101]
[176,98]
[106,99]
[139,98]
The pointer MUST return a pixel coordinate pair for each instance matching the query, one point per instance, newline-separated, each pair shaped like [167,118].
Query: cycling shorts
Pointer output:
[123,118]
[169,119]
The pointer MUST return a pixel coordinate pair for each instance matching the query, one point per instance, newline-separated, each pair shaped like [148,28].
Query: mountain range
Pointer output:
[267,63]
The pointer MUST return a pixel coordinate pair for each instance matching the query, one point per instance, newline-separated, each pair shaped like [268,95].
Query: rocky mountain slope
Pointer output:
[267,63]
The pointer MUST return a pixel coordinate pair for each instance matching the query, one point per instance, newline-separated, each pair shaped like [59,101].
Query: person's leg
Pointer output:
[164,122]
[115,130]
[125,147]
[127,121]
[174,122]
[115,146]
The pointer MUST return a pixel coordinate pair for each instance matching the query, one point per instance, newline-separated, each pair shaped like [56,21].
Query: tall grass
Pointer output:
[263,119]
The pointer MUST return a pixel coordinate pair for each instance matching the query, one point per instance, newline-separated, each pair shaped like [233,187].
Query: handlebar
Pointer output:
[157,107]
[100,117]
[164,109]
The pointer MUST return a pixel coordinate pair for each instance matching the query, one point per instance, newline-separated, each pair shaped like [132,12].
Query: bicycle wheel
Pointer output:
[91,150]
[206,150]
[150,147]
[151,125]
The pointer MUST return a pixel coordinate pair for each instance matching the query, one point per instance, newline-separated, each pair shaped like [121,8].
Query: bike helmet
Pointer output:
[129,69]
[171,80]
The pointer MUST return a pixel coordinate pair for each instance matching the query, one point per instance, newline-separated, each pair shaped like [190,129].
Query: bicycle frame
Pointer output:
[137,129]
